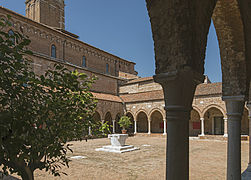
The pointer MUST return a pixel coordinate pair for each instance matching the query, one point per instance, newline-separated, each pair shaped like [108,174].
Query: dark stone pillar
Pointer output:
[246,175]
[179,88]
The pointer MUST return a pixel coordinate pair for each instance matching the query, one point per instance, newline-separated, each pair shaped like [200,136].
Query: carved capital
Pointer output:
[179,87]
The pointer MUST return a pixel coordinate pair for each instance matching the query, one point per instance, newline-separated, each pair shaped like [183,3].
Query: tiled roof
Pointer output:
[207,89]
[139,80]
[107,97]
[201,90]
[144,96]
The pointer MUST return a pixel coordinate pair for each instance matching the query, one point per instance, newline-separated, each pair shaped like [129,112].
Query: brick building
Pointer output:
[118,89]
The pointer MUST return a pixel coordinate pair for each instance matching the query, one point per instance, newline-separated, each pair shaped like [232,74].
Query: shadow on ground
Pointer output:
[3,177]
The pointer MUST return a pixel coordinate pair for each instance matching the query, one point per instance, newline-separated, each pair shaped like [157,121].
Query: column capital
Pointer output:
[233,98]
[187,72]
[249,109]
[178,87]
[202,119]
[234,105]
[114,120]
[225,118]
[249,105]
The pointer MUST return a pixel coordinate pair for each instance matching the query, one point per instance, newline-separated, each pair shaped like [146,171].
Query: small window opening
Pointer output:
[107,68]
[53,51]
[11,34]
[84,61]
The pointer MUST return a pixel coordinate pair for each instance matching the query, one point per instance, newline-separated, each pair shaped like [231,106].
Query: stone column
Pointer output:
[164,120]
[234,105]
[113,126]
[103,121]
[90,131]
[178,88]
[246,175]
[135,127]
[202,127]
[149,126]
[225,127]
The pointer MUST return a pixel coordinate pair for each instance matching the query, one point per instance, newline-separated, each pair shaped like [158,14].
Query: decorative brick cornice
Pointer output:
[32,28]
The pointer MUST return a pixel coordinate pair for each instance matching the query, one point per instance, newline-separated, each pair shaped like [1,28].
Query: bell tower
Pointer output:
[49,12]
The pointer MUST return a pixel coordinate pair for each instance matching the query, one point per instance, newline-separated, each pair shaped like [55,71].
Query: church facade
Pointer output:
[118,89]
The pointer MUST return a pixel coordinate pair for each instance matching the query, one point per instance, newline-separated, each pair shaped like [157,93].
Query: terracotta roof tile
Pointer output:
[144,96]
[207,89]
[139,80]
[107,97]
[202,89]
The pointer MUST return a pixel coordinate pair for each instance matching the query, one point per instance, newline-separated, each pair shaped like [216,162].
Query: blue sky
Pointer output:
[123,29]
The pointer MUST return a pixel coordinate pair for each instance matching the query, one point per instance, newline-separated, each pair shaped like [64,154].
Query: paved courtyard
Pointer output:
[207,161]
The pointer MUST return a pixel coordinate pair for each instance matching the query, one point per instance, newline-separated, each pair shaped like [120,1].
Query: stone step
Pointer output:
[221,137]
[150,135]
[117,149]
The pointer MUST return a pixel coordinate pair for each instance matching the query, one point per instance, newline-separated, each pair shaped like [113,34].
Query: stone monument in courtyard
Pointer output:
[118,144]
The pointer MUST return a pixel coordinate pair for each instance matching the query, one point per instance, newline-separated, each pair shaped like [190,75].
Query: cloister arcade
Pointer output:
[211,120]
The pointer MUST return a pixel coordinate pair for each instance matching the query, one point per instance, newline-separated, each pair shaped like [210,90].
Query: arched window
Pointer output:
[11,34]
[84,61]
[53,51]
[107,68]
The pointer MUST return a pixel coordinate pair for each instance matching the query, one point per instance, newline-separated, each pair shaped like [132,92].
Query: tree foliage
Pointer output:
[125,122]
[39,114]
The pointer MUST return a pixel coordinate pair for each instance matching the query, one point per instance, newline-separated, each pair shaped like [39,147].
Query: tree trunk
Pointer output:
[27,174]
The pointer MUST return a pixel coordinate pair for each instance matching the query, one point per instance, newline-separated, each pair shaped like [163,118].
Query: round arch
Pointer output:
[194,123]
[117,127]
[214,106]
[139,111]
[214,120]
[232,46]
[132,113]
[108,120]
[156,109]
[157,123]
[198,111]
[142,122]
[131,128]
[100,113]
[97,116]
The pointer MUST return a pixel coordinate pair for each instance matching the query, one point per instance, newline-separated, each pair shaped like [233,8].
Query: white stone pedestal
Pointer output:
[117,144]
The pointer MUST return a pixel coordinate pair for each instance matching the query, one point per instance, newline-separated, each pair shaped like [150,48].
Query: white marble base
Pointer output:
[118,139]
[246,175]
[118,149]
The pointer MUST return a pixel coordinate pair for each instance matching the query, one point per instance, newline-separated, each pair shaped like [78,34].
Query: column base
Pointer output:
[225,135]
[201,135]
[246,175]
[164,133]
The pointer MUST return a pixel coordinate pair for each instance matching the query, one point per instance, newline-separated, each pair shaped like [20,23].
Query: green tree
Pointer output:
[124,122]
[39,114]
